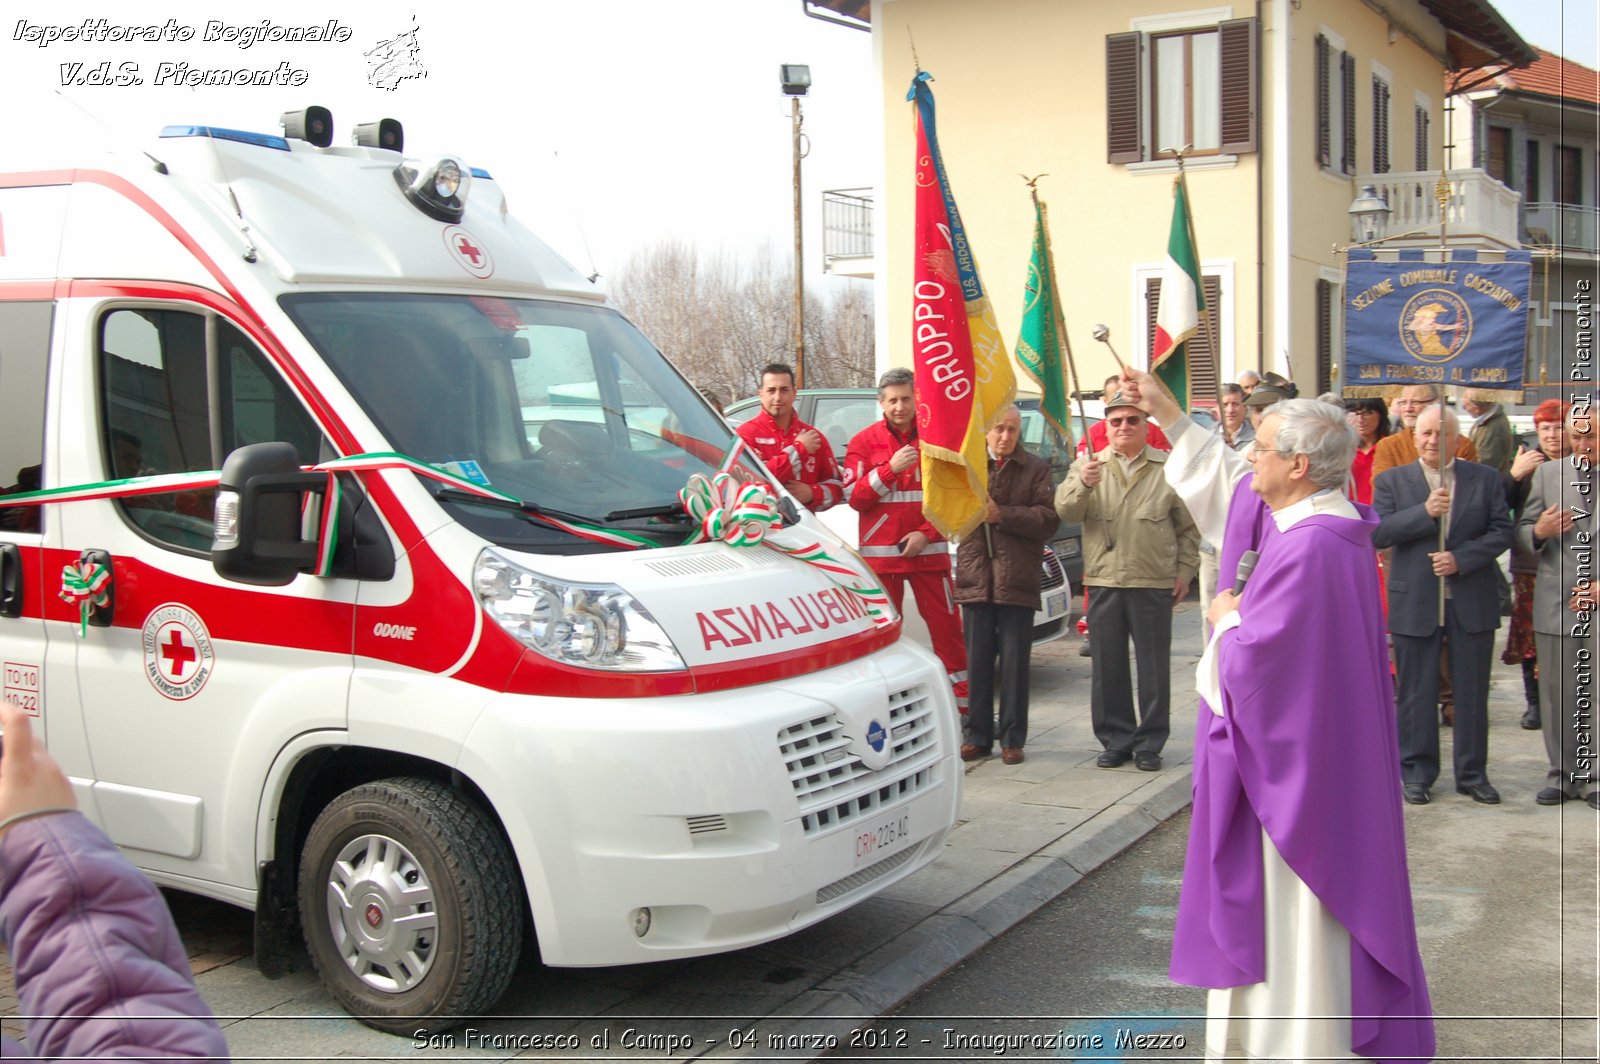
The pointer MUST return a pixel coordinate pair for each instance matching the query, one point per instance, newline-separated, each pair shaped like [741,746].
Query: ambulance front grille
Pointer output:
[832,785]
[856,880]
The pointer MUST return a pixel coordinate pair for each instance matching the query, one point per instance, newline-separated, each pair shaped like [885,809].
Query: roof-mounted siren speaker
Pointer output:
[313,125]
[384,133]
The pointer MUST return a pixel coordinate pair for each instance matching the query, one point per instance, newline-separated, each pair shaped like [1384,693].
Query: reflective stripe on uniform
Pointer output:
[941,547]
[877,484]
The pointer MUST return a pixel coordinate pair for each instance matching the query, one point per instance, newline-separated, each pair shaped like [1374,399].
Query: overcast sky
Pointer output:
[610,123]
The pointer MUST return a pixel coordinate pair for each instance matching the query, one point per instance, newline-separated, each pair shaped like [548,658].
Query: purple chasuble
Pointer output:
[1249,525]
[1308,752]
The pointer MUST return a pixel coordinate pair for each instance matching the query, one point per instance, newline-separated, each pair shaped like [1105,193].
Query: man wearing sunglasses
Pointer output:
[1140,553]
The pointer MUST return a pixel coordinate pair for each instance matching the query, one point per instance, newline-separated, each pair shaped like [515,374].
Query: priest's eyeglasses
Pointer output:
[1256,451]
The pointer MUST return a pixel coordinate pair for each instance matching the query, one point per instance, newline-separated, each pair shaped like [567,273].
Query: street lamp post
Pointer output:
[796,80]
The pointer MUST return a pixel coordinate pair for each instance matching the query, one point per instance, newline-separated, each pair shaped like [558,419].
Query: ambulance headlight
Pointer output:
[437,189]
[595,626]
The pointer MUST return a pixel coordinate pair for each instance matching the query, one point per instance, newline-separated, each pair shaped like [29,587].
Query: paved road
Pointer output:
[1505,903]
[1505,899]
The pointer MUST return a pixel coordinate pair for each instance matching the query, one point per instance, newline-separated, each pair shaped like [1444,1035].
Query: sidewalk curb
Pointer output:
[876,983]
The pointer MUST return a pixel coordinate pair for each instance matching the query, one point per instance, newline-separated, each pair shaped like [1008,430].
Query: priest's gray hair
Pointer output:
[1319,431]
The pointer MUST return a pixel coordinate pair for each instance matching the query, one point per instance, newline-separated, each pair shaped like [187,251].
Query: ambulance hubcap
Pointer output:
[381,912]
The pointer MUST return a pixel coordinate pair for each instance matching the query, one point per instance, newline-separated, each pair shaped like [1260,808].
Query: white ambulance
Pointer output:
[344,566]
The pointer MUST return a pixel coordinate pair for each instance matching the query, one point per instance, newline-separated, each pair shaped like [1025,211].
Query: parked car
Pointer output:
[840,413]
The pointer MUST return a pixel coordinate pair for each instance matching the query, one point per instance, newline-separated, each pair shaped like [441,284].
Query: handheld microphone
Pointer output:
[1247,565]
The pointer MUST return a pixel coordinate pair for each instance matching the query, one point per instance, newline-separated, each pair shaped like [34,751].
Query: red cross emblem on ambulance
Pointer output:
[468,251]
[178,656]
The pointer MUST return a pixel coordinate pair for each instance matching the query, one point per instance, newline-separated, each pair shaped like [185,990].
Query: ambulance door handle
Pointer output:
[100,616]
[10,580]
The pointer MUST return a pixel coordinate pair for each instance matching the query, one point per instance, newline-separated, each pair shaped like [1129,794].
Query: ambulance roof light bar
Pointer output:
[260,140]
[313,125]
[439,189]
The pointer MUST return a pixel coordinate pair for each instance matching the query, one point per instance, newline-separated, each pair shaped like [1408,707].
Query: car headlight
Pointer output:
[592,626]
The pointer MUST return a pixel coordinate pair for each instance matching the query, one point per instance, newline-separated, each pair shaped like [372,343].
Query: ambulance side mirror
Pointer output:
[257,535]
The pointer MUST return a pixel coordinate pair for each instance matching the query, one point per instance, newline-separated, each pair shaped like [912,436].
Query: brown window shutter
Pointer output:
[1122,99]
[1324,134]
[1422,139]
[1202,375]
[1380,126]
[1324,336]
[1237,45]
[1347,68]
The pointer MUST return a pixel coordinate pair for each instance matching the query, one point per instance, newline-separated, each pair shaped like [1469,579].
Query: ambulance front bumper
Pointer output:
[733,817]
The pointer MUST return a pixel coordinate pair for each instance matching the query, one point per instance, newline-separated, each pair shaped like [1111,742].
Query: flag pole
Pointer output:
[1056,314]
[1209,314]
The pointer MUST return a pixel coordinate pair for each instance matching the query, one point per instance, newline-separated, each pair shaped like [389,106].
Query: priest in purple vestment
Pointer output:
[1296,901]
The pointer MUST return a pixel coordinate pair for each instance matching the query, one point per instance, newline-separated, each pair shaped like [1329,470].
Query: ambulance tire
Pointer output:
[367,856]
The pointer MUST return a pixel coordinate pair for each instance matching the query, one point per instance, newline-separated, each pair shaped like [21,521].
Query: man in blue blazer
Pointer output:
[1411,500]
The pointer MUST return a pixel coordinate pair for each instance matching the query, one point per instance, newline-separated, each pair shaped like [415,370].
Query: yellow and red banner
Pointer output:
[964,379]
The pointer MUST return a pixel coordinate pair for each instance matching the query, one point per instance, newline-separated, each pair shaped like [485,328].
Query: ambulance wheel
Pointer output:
[411,904]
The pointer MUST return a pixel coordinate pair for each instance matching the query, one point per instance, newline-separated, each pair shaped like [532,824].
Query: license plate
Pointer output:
[883,838]
[1055,604]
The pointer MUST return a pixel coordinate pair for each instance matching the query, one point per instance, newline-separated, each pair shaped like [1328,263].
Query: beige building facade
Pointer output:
[1288,107]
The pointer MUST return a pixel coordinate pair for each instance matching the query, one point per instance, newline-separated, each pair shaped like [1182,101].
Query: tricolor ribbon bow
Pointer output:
[739,515]
[86,584]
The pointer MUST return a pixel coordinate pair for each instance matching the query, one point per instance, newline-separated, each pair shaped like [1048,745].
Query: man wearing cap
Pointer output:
[1141,551]
[1095,438]
[1558,526]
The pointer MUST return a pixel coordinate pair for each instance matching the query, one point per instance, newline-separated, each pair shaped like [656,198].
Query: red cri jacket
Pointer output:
[889,504]
[788,461]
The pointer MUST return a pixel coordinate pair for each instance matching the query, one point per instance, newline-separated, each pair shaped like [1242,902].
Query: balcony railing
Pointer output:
[1478,208]
[1565,226]
[846,226]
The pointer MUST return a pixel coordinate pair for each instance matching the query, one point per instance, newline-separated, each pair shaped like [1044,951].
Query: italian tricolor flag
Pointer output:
[1180,302]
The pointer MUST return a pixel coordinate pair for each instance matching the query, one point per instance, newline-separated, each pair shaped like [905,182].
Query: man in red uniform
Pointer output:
[794,452]
[883,474]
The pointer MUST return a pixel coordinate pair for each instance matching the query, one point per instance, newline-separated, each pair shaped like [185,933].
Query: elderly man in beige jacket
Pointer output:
[1140,553]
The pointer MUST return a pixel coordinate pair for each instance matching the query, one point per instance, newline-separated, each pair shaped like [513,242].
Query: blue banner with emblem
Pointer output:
[1461,323]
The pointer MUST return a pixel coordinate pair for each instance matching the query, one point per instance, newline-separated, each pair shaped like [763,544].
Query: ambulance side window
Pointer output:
[24,356]
[162,415]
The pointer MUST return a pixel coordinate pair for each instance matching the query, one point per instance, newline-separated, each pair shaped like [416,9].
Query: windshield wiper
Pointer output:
[511,505]
[668,509]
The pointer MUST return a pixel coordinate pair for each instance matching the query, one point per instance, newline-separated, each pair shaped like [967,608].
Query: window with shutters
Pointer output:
[1530,188]
[1380,125]
[1335,98]
[1497,154]
[1324,312]
[1569,175]
[1202,369]
[1423,122]
[1193,86]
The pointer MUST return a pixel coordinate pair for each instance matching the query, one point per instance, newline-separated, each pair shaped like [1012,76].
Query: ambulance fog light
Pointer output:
[641,922]
[225,521]
[438,189]
[596,626]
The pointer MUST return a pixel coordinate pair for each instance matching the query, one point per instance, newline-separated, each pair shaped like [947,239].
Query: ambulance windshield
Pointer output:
[564,406]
